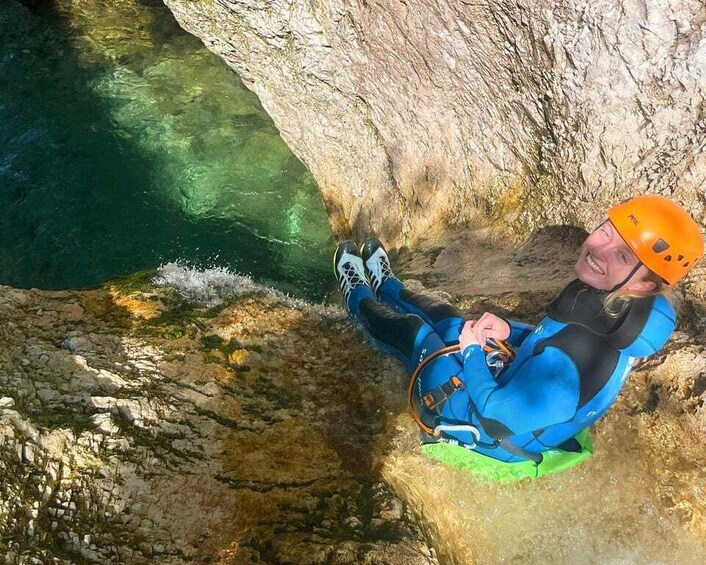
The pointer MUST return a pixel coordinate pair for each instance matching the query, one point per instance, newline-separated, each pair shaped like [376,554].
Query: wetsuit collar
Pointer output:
[583,305]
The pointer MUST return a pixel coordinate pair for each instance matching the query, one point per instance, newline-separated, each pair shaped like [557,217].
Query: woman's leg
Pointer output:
[446,320]
[406,335]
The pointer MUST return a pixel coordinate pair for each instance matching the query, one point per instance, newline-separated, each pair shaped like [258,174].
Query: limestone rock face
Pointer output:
[417,115]
[136,428]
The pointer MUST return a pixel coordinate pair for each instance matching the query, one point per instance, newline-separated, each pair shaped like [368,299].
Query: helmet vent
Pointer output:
[660,245]
[668,258]
[680,257]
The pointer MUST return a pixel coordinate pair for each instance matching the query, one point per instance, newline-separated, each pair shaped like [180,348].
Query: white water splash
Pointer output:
[206,287]
[217,285]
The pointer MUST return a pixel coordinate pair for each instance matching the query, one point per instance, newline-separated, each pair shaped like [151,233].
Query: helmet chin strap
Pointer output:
[620,285]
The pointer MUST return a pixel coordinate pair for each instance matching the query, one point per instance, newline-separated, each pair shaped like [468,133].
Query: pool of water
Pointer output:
[125,144]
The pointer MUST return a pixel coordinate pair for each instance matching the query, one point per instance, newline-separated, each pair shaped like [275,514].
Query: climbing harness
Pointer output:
[440,394]
[438,445]
[498,355]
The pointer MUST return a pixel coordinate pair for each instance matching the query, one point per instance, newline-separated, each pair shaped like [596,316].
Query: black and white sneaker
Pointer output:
[348,267]
[377,263]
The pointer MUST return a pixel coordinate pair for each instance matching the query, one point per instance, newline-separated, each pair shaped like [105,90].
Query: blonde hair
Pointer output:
[617,301]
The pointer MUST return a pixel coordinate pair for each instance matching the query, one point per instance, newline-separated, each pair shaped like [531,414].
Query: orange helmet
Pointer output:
[661,233]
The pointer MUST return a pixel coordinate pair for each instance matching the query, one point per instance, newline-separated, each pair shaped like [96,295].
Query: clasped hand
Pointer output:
[488,326]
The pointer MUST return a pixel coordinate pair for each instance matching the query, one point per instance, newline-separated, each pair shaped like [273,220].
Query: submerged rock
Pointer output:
[221,422]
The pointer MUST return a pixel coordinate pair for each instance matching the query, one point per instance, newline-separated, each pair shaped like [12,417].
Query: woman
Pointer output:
[568,369]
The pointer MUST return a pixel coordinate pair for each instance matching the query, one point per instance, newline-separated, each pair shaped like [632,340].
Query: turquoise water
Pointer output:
[125,144]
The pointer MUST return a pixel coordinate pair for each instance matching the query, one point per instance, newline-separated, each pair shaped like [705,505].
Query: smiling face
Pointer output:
[605,260]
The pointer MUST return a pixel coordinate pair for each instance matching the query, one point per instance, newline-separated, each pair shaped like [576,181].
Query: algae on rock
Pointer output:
[139,428]
[135,426]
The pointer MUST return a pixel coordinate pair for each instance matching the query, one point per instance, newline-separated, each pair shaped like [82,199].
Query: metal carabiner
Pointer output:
[459,428]
[496,361]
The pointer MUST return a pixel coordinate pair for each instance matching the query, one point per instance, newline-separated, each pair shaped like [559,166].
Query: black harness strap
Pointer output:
[519,451]
[508,446]
[440,394]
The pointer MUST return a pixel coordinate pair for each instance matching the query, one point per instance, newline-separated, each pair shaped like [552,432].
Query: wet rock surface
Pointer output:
[639,497]
[414,116]
[136,428]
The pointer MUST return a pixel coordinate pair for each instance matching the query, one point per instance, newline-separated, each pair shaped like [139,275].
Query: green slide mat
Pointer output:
[487,469]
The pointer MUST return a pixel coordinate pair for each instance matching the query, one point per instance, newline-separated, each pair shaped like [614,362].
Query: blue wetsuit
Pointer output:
[567,372]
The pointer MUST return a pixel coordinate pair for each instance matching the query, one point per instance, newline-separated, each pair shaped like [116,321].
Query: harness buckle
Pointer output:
[440,394]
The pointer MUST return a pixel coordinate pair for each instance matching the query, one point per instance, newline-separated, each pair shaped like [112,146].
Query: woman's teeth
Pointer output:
[594,265]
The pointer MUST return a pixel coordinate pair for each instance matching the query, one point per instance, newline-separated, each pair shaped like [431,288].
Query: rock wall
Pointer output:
[137,427]
[416,115]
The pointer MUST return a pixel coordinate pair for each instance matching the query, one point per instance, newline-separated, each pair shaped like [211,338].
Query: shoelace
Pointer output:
[385,272]
[350,279]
